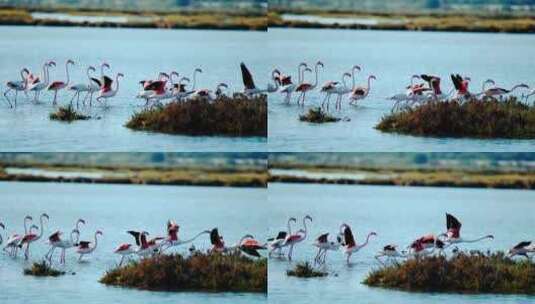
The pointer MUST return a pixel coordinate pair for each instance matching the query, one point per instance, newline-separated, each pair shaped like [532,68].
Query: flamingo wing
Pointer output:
[452,223]
[55,237]
[156,85]
[247,77]
[84,244]
[389,248]
[215,239]
[96,81]
[136,235]
[282,235]
[456,82]
[522,245]
[123,247]
[348,237]
[107,81]
[56,85]
[323,238]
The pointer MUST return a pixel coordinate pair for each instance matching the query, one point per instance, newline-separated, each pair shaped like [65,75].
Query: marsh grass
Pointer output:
[227,116]
[197,272]
[42,269]
[317,115]
[68,114]
[464,273]
[305,270]
[509,118]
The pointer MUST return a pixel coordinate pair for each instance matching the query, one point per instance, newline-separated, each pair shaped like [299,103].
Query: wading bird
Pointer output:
[420,246]
[38,87]
[298,237]
[106,91]
[218,244]
[461,87]
[250,246]
[349,243]
[56,241]
[12,243]
[360,93]
[60,85]
[390,252]
[341,90]
[250,88]
[324,245]
[499,92]
[17,86]
[125,251]
[306,87]
[278,242]
[453,235]
[82,87]
[173,240]
[32,237]
[85,248]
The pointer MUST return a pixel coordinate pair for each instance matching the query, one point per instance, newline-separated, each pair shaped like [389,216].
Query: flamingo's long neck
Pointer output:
[316,70]
[67,72]
[72,237]
[369,82]
[26,225]
[117,81]
[47,74]
[289,228]
[42,228]
[353,78]
[88,76]
[366,242]
[44,71]
[96,242]
[476,240]
[516,87]
[305,226]
[299,77]
[194,79]
[193,238]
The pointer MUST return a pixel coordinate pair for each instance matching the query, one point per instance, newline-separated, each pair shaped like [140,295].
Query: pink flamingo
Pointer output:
[60,85]
[350,246]
[250,246]
[453,235]
[306,87]
[12,243]
[390,252]
[32,237]
[218,244]
[324,245]
[3,228]
[173,239]
[39,86]
[106,90]
[84,248]
[125,251]
[360,93]
[278,242]
[250,88]
[17,86]
[298,237]
[523,249]
[56,241]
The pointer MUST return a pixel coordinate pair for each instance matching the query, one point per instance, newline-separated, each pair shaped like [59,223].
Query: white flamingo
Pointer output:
[82,87]
[84,247]
[107,91]
[17,86]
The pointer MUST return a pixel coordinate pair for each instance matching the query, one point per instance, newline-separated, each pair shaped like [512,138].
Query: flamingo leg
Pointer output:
[5,95]
[55,96]
[16,94]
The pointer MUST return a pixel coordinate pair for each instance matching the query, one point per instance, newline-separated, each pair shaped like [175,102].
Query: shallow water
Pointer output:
[393,57]
[138,54]
[398,215]
[115,209]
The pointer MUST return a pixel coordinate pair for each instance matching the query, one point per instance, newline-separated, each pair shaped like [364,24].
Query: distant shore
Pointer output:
[443,22]
[218,20]
[133,175]
[404,177]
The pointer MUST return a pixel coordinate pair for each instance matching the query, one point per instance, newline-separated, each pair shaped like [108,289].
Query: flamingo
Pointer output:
[419,247]
[60,85]
[179,89]
[298,237]
[173,240]
[522,248]
[461,86]
[32,237]
[305,87]
[350,246]
[277,243]
[341,90]
[218,244]
[220,90]
[149,87]
[499,92]
[14,240]
[17,86]
[39,86]
[324,245]
[250,246]
[453,235]
[390,252]
[84,248]
[95,84]
[106,91]
[412,91]
[82,87]
[287,86]
[145,247]
[250,88]
[56,241]
[434,84]
[360,93]
[124,250]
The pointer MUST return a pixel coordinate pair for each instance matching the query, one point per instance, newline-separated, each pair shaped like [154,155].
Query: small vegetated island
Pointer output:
[197,272]
[305,270]
[318,116]
[509,118]
[42,269]
[68,114]
[475,272]
[237,116]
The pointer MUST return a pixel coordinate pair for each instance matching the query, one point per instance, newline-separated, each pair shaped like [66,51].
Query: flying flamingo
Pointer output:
[350,246]
[148,87]
[298,237]
[324,245]
[106,91]
[522,248]
[453,235]
[250,88]
[95,84]
[413,91]
[499,92]
[144,248]
[60,85]
[420,246]
[32,237]
[461,86]
[360,93]
[39,86]
[390,252]
[82,87]
[277,243]
[17,85]
[173,240]
[434,84]
[14,240]
[305,87]
[84,248]
[218,244]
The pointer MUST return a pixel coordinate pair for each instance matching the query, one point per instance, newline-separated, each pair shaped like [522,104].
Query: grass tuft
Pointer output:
[42,269]
[198,272]
[474,118]
[317,115]
[228,116]
[465,273]
[305,270]
[68,114]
